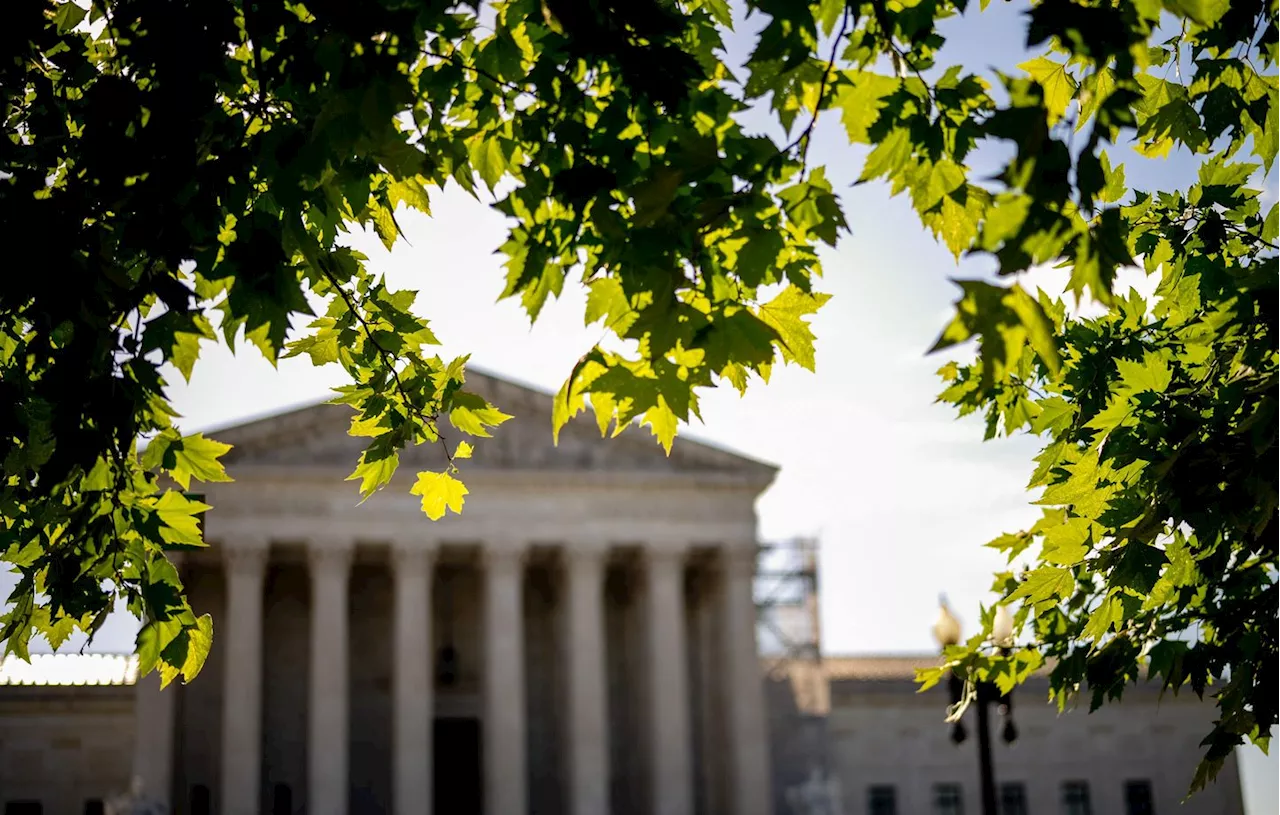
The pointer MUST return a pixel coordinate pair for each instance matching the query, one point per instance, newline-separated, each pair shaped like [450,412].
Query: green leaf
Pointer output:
[1152,374]
[719,10]
[663,423]
[1204,12]
[68,16]
[788,315]
[889,156]
[181,517]
[1005,319]
[1095,89]
[488,160]
[1067,543]
[473,415]
[439,492]
[187,457]
[374,472]
[1114,189]
[1056,415]
[1086,489]
[1059,86]
[1109,612]
[1045,584]
[1271,228]
[185,654]
[607,301]
[861,99]
[1039,328]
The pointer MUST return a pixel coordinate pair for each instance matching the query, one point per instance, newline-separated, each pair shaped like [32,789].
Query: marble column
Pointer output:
[505,769]
[327,712]
[413,702]
[153,712]
[670,736]
[245,563]
[749,769]
[588,728]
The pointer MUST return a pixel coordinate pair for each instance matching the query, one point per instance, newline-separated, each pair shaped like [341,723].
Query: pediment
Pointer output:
[317,436]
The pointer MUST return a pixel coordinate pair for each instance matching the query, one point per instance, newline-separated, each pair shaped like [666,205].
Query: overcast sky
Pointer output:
[900,494]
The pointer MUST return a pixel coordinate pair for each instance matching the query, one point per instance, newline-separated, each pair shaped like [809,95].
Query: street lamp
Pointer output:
[947,631]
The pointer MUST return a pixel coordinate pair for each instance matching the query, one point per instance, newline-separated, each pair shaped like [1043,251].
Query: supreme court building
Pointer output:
[581,639]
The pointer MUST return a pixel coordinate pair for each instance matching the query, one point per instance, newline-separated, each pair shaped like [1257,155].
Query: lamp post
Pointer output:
[947,632]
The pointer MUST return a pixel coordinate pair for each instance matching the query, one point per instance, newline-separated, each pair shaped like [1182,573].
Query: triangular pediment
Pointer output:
[317,436]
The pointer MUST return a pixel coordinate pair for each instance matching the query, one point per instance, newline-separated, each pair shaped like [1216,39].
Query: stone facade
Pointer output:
[580,640]
[64,746]
[860,724]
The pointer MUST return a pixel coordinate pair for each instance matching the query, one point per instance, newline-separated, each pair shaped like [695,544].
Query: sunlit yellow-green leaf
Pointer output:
[440,492]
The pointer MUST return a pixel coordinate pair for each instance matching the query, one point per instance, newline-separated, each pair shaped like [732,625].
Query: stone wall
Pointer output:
[65,745]
[882,732]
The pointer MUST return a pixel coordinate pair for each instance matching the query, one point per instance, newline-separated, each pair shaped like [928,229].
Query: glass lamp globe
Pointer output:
[1002,627]
[947,629]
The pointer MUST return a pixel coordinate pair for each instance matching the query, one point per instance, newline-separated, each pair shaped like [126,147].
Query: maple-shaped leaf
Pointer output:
[1067,543]
[374,471]
[663,423]
[1151,374]
[187,457]
[1059,86]
[788,314]
[860,99]
[473,415]
[181,518]
[440,492]
[1045,584]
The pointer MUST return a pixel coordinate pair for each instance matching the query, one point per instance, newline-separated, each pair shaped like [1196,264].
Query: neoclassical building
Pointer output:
[581,639]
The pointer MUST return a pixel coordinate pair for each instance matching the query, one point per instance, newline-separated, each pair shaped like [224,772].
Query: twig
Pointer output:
[388,359]
[878,11]
[449,57]
[804,138]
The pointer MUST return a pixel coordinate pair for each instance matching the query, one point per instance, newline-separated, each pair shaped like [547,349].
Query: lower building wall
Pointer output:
[65,746]
[882,733]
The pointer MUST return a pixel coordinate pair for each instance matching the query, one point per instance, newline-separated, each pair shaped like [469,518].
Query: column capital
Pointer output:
[503,557]
[330,557]
[412,556]
[666,555]
[246,556]
[737,560]
[584,555]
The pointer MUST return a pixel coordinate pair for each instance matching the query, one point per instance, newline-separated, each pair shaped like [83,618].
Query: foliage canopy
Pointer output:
[199,164]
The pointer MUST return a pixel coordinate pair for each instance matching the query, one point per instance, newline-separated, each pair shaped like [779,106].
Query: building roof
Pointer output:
[122,669]
[318,435]
[877,667]
[70,669]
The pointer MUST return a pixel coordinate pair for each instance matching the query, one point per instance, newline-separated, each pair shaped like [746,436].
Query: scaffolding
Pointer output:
[786,595]
[790,642]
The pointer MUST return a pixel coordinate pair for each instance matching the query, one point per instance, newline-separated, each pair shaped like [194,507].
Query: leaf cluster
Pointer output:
[1155,558]
[197,167]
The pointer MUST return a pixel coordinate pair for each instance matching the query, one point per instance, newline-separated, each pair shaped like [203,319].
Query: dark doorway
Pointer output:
[201,803]
[281,800]
[458,778]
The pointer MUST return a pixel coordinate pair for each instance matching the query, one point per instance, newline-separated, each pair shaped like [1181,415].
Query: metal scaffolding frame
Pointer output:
[786,595]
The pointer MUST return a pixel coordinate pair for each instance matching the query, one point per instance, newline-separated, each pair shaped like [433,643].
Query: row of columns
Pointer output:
[505,718]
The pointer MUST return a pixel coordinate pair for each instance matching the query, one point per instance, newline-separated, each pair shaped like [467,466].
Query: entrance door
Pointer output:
[458,777]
